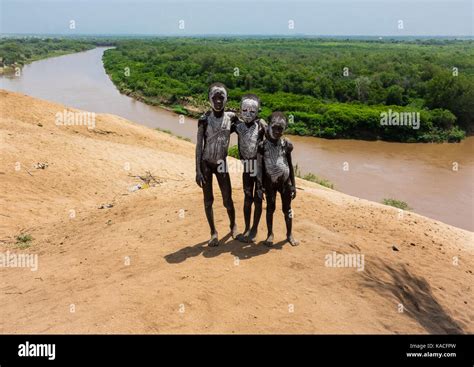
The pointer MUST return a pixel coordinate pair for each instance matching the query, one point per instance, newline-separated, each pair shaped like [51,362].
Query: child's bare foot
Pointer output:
[251,235]
[292,241]
[243,237]
[214,241]
[235,232]
[269,241]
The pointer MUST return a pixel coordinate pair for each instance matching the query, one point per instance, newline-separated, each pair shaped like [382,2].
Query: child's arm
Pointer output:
[199,148]
[263,129]
[234,121]
[260,170]
[289,149]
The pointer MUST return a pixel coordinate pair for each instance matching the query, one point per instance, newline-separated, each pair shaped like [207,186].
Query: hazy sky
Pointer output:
[251,17]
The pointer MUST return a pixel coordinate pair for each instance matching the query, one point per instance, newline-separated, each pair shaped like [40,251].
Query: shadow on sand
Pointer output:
[240,249]
[415,294]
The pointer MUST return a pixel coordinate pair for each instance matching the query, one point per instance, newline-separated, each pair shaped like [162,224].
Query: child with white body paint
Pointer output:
[213,137]
[250,132]
[276,174]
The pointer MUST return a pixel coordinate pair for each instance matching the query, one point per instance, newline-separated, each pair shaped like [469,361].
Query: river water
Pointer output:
[420,174]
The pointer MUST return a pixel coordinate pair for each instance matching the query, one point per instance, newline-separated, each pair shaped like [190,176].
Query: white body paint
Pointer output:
[217,137]
[248,139]
[276,164]
[249,110]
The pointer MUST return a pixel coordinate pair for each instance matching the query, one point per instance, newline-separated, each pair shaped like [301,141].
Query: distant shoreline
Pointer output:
[235,35]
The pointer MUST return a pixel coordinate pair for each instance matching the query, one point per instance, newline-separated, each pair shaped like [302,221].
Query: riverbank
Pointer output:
[373,116]
[15,53]
[140,264]
[10,69]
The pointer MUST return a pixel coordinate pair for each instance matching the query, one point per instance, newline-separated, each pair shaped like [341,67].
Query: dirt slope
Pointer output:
[142,266]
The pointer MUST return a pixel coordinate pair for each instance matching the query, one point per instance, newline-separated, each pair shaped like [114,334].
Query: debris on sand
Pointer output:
[106,206]
[148,180]
[41,165]
[135,188]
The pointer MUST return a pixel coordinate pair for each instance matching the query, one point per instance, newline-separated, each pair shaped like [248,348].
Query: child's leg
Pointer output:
[223,180]
[286,207]
[248,200]
[208,201]
[270,195]
[257,211]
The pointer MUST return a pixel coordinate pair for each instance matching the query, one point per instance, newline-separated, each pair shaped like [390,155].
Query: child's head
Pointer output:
[277,125]
[249,107]
[217,96]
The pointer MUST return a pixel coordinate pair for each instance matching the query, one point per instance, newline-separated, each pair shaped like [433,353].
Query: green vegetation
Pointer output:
[17,52]
[24,240]
[183,138]
[180,110]
[313,178]
[233,151]
[396,203]
[166,131]
[330,88]
[321,181]
[169,132]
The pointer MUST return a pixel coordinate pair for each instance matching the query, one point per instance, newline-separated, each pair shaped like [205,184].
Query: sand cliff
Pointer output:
[142,264]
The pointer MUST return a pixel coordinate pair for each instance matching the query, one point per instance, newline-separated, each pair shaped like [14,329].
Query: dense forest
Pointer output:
[20,51]
[328,88]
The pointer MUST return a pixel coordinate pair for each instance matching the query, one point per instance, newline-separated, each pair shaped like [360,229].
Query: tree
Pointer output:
[443,119]
[394,95]
[362,85]
[454,93]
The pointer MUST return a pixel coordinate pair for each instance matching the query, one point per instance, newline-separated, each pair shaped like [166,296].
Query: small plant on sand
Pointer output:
[180,110]
[313,178]
[169,132]
[297,170]
[396,203]
[233,151]
[24,240]
[321,181]
[183,138]
[166,131]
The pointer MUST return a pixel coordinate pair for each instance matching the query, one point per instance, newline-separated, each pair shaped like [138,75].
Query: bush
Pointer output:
[321,181]
[329,132]
[166,131]
[24,240]
[233,151]
[396,203]
[312,177]
[455,135]
[443,119]
[180,110]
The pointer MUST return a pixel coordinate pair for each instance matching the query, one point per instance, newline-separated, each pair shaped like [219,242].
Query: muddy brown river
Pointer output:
[420,174]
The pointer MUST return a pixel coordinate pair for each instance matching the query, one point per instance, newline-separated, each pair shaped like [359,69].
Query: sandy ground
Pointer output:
[142,266]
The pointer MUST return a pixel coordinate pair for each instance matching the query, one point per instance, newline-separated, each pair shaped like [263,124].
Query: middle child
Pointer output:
[250,132]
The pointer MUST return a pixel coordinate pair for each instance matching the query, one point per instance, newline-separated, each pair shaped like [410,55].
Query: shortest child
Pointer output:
[275,174]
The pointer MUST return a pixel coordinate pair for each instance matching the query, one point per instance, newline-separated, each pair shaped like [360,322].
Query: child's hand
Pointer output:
[204,116]
[200,179]
[260,192]
[293,192]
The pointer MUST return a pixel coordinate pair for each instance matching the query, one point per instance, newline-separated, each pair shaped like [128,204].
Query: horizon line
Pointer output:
[227,35]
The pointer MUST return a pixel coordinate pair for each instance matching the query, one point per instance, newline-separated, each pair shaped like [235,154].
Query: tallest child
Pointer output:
[214,129]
